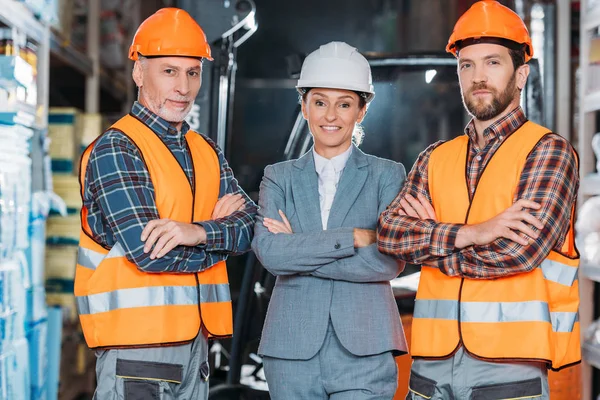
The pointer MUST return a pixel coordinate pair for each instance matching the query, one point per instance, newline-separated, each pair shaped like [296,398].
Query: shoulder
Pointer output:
[110,142]
[384,165]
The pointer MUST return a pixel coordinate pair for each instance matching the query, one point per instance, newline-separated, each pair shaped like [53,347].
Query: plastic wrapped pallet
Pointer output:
[60,275]
[64,132]
[14,363]
[38,358]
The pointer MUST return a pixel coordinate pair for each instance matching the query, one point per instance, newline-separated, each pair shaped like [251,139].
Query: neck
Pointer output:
[330,152]
[481,126]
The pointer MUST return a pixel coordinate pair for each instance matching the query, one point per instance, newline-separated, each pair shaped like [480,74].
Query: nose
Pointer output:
[183,85]
[331,114]
[479,75]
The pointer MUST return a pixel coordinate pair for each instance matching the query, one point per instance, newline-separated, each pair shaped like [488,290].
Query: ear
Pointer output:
[304,112]
[138,74]
[361,114]
[522,74]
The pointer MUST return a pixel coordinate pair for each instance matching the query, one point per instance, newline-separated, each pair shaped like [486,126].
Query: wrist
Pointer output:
[464,237]
[200,235]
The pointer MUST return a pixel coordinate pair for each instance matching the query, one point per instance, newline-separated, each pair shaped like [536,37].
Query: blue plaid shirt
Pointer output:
[119,196]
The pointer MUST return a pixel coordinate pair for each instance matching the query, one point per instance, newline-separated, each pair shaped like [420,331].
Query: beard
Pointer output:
[172,115]
[500,101]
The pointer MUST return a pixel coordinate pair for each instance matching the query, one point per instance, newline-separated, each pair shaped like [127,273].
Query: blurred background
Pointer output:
[65,78]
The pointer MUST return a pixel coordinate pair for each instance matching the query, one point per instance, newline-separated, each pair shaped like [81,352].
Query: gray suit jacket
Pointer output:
[319,273]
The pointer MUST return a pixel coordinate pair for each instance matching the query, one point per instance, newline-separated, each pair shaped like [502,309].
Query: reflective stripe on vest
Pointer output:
[151,297]
[90,259]
[533,311]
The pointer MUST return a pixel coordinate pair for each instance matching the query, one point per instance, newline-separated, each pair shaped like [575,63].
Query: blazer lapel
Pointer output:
[351,183]
[305,191]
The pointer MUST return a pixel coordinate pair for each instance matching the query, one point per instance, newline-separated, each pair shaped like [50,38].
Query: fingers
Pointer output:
[408,209]
[285,220]
[275,226]
[219,206]
[160,244]
[230,204]
[525,216]
[152,232]
[427,206]
[522,203]
[515,237]
[167,247]
[525,230]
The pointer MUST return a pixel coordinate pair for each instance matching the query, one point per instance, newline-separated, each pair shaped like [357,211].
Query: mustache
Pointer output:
[480,86]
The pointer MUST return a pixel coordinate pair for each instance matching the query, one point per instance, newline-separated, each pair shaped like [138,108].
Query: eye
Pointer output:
[345,105]
[319,103]
[464,66]
[194,73]
[169,71]
[494,62]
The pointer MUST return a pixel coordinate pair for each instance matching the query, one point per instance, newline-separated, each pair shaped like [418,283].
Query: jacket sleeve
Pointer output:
[368,264]
[296,253]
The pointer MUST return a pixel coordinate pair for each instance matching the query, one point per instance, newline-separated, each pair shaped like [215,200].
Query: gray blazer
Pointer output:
[319,273]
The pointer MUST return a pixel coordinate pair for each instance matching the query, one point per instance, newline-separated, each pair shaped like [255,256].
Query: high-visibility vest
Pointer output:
[527,316]
[120,305]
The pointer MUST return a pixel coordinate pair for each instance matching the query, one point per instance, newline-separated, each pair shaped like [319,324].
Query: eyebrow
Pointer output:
[170,66]
[346,96]
[495,55]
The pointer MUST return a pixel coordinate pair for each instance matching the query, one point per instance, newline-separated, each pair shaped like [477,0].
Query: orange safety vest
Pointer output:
[528,316]
[120,305]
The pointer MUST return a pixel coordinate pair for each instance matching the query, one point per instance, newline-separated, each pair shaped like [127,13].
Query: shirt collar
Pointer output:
[160,126]
[502,128]
[339,161]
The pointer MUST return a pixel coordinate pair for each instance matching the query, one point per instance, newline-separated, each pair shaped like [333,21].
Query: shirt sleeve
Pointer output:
[231,234]
[411,239]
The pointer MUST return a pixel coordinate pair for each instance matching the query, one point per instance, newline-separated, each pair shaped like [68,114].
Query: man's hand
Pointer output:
[166,234]
[510,224]
[364,237]
[417,207]
[227,205]
[275,226]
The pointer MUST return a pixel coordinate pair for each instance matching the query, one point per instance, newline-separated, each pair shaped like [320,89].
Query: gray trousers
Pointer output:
[333,373]
[154,373]
[463,377]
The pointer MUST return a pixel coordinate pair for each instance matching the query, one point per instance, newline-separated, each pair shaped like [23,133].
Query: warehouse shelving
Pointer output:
[589,105]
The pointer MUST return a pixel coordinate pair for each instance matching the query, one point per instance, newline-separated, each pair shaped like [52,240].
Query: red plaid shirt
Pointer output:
[550,178]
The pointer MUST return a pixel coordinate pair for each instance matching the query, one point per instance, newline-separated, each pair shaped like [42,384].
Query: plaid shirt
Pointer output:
[119,196]
[549,178]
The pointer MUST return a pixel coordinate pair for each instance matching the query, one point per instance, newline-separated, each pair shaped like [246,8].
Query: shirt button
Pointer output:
[337,246]
[501,137]
[478,158]
[450,270]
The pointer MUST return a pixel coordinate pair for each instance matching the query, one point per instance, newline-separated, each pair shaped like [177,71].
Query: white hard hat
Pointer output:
[337,65]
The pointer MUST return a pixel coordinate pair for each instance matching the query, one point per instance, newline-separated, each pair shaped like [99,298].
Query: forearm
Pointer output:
[366,265]
[301,253]
[414,240]
[232,234]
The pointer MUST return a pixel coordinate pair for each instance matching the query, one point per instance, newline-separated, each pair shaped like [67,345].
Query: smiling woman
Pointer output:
[316,233]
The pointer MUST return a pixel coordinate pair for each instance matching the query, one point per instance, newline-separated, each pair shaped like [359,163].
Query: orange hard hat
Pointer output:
[490,19]
[169,32]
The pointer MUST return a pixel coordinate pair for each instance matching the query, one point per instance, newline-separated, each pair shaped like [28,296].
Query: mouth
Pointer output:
[179,104]
[330,128]
[480,92]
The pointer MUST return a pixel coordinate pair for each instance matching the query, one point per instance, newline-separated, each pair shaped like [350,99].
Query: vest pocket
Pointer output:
[529,389]
[420,387]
